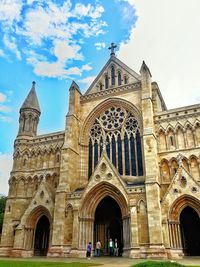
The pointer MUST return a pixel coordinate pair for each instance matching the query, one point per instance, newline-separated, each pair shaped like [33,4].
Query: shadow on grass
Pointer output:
[160,264]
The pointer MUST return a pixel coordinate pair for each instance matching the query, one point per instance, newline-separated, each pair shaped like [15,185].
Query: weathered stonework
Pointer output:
[125,167]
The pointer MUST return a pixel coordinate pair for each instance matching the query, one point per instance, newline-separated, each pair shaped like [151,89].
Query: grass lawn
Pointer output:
[7,263]
[160,264]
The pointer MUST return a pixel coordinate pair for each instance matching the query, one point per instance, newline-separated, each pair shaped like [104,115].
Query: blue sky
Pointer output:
[54,42]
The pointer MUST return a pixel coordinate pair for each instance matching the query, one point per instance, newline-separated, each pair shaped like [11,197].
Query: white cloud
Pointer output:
[52,21]
[5,109]
[46,22]
[86,67]
[10,10]
[166,37]
[64,51]
[5,118]
[87,81]
[33,58]
[81,10]
[2,54]
[58,69]
[10,43]
[99,46]
[51,27]
[2,97]
[5,169]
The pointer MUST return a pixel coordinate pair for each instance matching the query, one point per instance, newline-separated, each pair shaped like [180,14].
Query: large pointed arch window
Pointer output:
[116,131]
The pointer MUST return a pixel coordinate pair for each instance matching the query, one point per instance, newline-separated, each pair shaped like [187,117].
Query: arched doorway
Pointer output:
[190,225]
[108,224]
[41,242]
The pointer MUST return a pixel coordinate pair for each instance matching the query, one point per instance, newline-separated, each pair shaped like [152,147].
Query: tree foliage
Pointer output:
[2,210]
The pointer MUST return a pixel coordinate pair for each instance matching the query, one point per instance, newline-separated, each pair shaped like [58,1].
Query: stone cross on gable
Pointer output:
[112,47]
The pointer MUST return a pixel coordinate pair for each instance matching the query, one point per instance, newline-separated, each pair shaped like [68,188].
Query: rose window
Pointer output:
[112,118]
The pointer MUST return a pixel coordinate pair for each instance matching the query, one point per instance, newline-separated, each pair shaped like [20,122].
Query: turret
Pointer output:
[74,99]
[29,114]
[151,166]
[146,81]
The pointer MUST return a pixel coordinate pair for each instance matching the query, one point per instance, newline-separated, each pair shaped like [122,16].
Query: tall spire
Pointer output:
[31,101]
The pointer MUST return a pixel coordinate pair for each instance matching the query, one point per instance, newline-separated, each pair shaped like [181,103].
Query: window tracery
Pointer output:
[117,131]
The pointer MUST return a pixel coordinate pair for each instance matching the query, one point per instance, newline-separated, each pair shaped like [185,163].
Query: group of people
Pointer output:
[112,246]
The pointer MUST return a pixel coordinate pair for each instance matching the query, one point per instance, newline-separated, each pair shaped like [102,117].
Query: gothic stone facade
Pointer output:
[125,167]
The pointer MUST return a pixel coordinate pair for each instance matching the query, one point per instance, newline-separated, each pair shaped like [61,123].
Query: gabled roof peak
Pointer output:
[31,101]
[113,61]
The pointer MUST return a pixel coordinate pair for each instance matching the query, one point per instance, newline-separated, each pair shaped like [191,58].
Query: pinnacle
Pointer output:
[74,85]
[31,100]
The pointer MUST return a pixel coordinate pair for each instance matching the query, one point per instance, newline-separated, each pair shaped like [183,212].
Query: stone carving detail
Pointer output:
[97,177]
[103,167]
[194,189]
[183,181]
[109,176]
[175,191]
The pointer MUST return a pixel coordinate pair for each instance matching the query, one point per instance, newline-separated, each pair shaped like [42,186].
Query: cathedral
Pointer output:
[125,167]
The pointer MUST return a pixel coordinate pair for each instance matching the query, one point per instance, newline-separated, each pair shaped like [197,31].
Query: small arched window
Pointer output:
[106,81]
[24,162]
[100,86]
[125,79]
[171,140]
[113,75]
[119,78]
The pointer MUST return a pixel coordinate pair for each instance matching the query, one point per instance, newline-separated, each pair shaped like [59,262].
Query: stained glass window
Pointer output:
[117,130]
[119,78]
[113,75]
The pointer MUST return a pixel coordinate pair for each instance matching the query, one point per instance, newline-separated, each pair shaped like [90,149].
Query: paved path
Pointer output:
[110,261]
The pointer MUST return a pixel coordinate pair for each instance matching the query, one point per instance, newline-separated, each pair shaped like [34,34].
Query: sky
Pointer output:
[54,42]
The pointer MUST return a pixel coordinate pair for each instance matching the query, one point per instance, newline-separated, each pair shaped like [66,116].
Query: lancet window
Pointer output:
[113,75]
[106,81]
[119,78]
[117,132]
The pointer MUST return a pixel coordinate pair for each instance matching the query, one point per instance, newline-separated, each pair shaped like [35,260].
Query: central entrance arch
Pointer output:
[108,223]
[41,242]
[190,225]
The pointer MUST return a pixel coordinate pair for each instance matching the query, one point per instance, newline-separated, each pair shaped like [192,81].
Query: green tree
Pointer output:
[2,210]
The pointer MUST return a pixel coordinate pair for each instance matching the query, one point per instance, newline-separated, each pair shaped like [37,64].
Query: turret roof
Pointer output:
[31,100]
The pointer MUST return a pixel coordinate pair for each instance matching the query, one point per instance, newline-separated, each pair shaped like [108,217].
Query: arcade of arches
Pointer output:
[125,167]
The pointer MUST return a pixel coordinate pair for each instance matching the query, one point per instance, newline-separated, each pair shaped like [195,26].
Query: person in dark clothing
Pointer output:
[89,249]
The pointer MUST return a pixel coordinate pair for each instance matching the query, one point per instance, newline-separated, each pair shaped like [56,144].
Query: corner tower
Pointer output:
[29,114]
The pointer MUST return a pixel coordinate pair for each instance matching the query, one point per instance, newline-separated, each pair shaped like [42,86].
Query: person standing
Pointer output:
[89,249]
[116,249]
[98,248]
[110,247]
